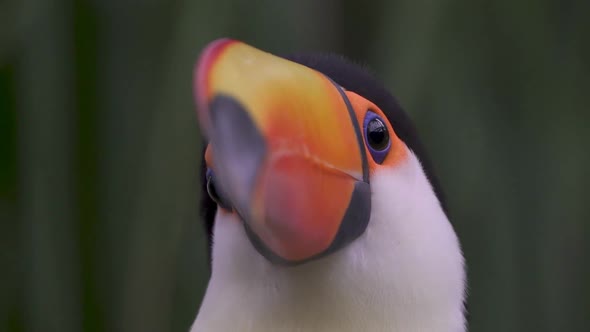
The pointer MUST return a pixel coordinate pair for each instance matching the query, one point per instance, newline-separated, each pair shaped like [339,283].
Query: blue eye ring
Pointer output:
[376,136]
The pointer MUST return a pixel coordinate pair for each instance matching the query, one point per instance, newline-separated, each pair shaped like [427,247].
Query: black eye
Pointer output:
[376,136]
[213,193]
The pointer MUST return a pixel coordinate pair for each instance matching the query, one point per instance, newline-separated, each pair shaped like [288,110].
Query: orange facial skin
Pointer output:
[398,151]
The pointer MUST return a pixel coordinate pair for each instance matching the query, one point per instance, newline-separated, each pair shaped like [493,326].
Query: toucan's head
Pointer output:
[309,158]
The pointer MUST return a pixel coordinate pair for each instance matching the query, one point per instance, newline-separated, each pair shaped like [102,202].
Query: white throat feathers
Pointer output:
[404,274]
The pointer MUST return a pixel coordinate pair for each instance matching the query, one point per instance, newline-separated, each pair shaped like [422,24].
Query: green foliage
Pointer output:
[99,148]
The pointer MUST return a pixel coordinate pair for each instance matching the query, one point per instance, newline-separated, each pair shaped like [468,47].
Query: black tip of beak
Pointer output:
[238,150]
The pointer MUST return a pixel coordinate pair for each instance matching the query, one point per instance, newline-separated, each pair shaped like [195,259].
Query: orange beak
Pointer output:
[286,150]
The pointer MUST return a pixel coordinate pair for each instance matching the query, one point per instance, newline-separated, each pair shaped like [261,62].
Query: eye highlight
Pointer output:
[376,136]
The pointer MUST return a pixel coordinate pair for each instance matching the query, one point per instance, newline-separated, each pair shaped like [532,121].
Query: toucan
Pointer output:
[321,207]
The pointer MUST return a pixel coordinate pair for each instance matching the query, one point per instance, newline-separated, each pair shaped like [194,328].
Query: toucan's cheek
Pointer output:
[299,206]
[397,151]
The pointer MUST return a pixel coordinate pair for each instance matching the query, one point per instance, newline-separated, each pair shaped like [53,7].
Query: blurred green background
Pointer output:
[99,147]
